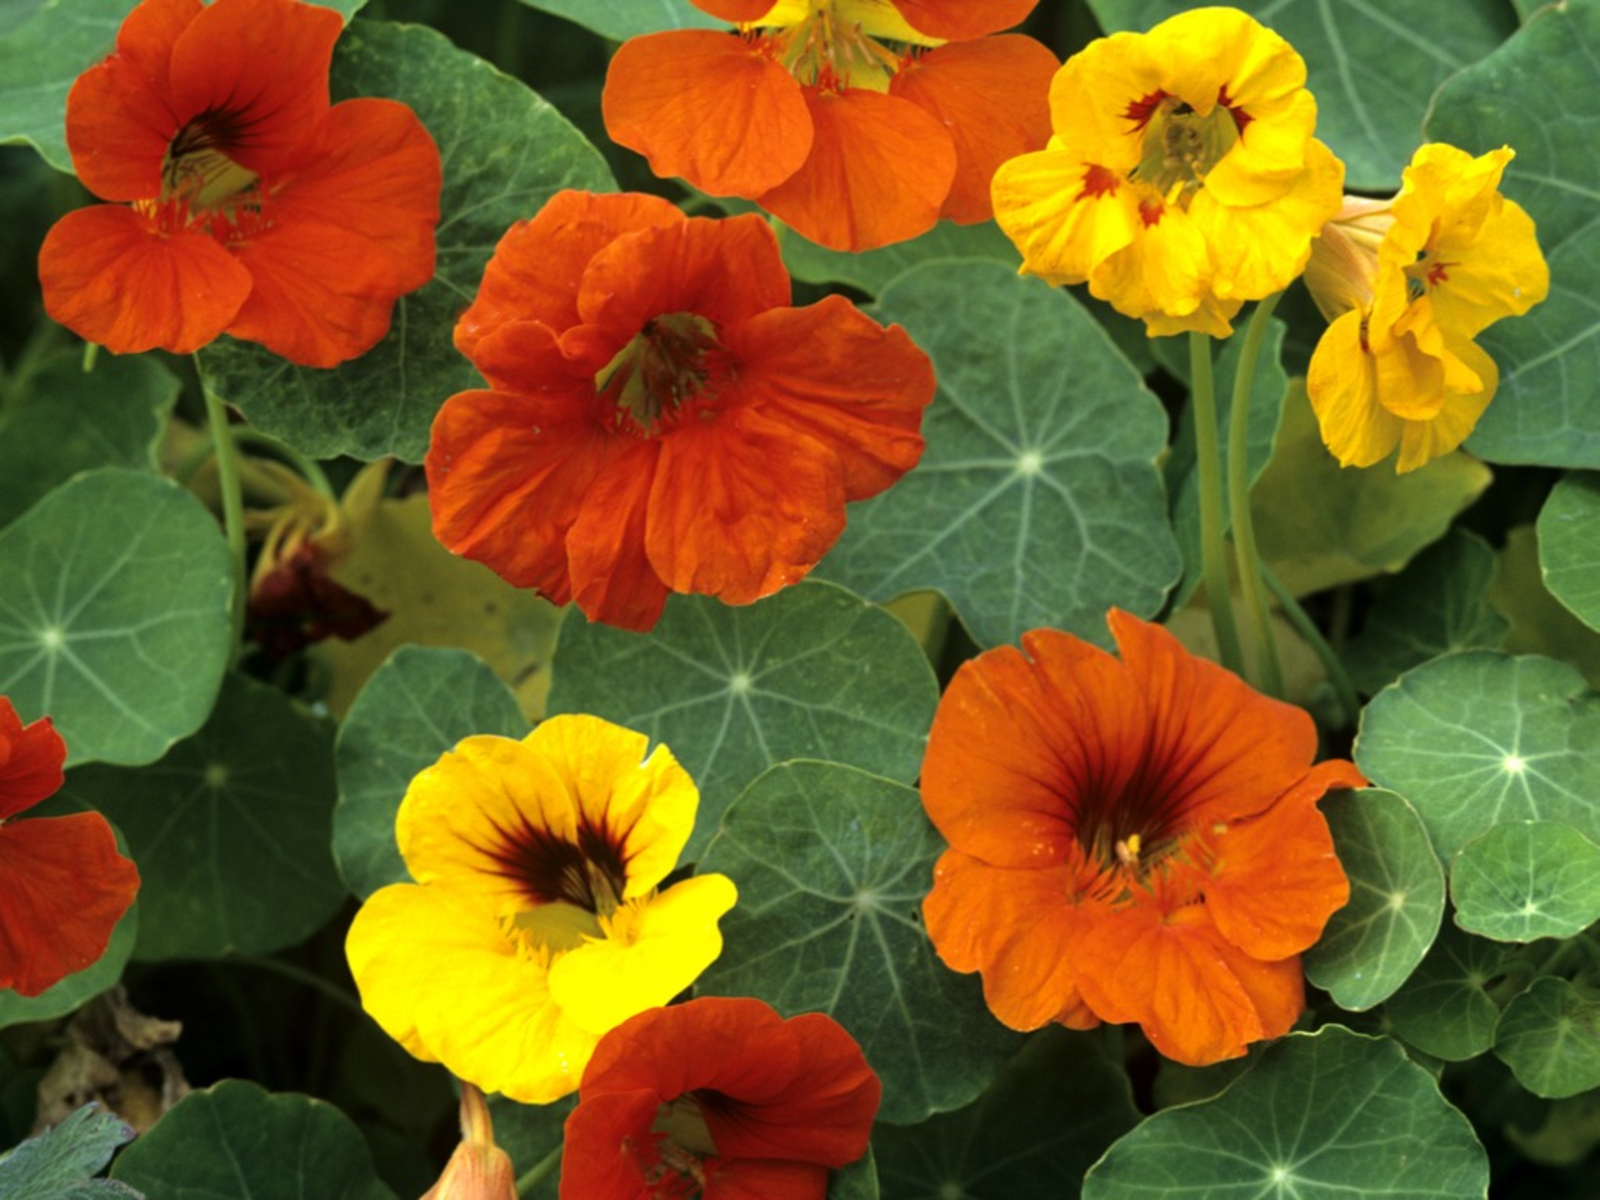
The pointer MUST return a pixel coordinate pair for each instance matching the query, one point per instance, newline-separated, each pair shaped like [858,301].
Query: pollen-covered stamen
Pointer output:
[658,378]
[672,1157]
[833,52]
[1181,144]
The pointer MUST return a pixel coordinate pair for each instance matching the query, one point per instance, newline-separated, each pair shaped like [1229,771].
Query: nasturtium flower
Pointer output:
[1131,840]
[479,1169]
[537,921]
[858,122]
[1182,178]
[721,1099]
[66,884]
[242,201]
[1408,283]
[660,419]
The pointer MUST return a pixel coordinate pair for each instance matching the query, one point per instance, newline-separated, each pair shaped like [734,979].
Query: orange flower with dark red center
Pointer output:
[66,886]
[243,202]
[721,1099]
[858,122]
[660,420]
[1133,840]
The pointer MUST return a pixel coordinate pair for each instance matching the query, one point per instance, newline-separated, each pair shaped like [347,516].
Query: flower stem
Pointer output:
[1343,685]
[1213,547]
[1268,668]
[227,452]
[540,1171]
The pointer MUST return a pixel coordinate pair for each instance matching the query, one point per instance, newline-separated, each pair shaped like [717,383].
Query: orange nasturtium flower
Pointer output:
[858,122]
[660,419]
[535,924]
[66,885]
[243,203]
[721,1099]
[1133,840]
[1407,284]
[1182,179]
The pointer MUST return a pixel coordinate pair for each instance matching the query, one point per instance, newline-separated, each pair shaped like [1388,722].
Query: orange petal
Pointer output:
[66,888]
[351,231]
[31,758]
[735,10]
[879,171]
[993,98]
[832,373]
[712,109]
[612,579]
[957,19]
[110,277]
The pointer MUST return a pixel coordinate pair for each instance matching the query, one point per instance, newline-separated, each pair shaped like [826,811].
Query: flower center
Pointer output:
[573,888]
[672,1156]
[834,44]
[202,188]
[1180,144]
[653,381]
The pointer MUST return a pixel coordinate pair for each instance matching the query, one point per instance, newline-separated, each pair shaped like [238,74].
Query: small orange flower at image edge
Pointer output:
[720,1098]
[1132,840]
[66,885]
[658,418]
[857,122]
[241,201]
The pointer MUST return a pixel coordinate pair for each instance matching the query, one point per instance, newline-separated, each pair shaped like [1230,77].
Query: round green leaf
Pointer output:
[114,614]
[1321,1116]
[1374,942]
[832,865]
[1526,880]
[234,1140]
[230,829]
[1476,739]
[1569,552]
[505,152]
[874,270]
[1037,501]
[416,706]
[621,19]
[812,672]
[1550,1038]
[1444,1009]
[1049,1114]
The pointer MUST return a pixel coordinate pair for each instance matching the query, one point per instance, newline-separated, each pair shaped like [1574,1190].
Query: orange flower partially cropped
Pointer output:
[478,1170]
[1408,284]
[858,122]
[66,884]
[242,202]
[721,1099]
[1182,179]
[659,419]
[1131,841]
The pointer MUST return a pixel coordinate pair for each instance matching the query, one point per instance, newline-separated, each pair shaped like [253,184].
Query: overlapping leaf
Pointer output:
[1445,1009]
[619,19]
[1569,551]
[60,1163]
[1550,1038]
[1525,880]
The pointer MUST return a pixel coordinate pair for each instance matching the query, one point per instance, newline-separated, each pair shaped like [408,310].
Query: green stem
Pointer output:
[302,976]
[1213,545]
[1267,664]
[541,1171]
[309,470]
[1343,685]
[232,502]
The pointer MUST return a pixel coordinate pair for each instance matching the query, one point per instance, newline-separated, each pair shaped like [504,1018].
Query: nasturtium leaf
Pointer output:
[621,19]
[1435,606]
[1536,95]
[1550,1038]
[235,1140]
[1445,1009]
[812,672]
[41,58]
[1373,943]
[418,705]
[1037,501]
[230,829]
[59,1163]
[505,152]
[832,865]
[873,270]
[14,12]
[1372,69]
[1477,738]
[1569,551]
[69,420]
[1319,1116]
[1540,624]
[858,1181]
[1048,1115]
[114,616]
[1525,880]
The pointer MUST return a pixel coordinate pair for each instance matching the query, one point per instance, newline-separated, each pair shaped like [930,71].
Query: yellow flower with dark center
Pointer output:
[1408,284]
[536,923]
[1182,178]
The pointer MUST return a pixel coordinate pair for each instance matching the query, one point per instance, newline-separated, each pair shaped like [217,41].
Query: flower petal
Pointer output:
[31,758]
[956,19]
[1342,384]
[1065,214]
[613,579]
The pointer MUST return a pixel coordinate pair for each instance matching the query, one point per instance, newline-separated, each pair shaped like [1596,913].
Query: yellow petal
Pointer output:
[1063,226]
[1423,441]
[1342,384]
[1167,270]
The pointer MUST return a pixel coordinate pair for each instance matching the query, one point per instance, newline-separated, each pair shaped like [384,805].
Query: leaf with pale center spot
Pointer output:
[1525,880]
[1445,1008]
[1550,1038]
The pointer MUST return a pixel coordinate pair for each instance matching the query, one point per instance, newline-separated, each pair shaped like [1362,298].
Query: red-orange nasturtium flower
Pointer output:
[660,420]
[65,884]
[242,202]
[1133,840]
[858,122]
[720,1099]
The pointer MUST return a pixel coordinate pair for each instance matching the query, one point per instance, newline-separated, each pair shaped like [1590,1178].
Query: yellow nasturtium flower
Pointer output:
[1407,284]
[535,924]
[1182,178]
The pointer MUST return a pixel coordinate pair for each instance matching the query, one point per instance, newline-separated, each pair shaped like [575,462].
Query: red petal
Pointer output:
[735,10]
[712,109]
[768,1179]
[612,579]
[111,278]
[879,171]
[31,758]
[957,19]
[66,888]
[596,1163]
